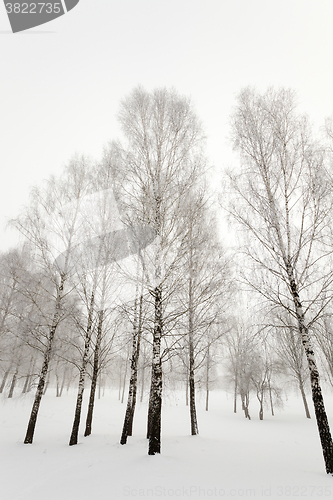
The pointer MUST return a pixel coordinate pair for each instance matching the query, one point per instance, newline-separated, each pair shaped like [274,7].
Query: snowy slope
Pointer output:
[279,457]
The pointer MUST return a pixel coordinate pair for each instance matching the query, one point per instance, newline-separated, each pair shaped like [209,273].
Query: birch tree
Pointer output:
[324,339]
[104,245]
[288,346]
[50,225]
[240,346]
[163,158]
[282,199]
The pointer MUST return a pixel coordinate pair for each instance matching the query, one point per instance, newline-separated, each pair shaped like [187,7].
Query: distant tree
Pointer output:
[9,279]
[92,265]
[240,347]
[95,370]
[211,361]
[289,348]
[87,330]
[11,264]
[204,294]
[136,341]
[237,343]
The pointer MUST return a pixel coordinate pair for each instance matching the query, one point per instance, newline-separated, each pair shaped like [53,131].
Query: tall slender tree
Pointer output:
[283,199]
[163,158]
[51,225]
[132,390]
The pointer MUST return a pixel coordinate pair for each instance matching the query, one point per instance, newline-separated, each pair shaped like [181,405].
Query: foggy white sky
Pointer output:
[61,83]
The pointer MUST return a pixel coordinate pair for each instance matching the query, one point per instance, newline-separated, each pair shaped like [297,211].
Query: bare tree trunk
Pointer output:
[13,384]
[193,412]
[142,382]
[26,382]
[149,411]
[247,401]
[120,383]
[77,417]
[87,431]
[28,376]
[57,385]
[99,386]
[60,386]
[261,410]
[155,403]
[128,421]
[32,371]
[207,398]
[277,144]
[124,381]
[56,373]
[3,383]
[305,403]
[135,383]
[69,381]
[42,377]
[194,423]
[207,379]
[235,393]
[260,396]
[62,383]
[270,396]
[46,384]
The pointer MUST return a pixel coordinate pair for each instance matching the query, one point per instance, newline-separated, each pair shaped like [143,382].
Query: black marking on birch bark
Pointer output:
[90,412]
[317,397]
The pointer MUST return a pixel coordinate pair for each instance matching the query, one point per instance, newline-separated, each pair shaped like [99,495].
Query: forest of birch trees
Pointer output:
[147,271]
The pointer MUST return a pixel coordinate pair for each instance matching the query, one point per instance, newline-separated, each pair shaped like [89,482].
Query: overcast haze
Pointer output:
[61,83]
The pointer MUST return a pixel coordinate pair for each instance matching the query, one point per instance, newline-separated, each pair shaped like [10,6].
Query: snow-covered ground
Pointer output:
[279,457]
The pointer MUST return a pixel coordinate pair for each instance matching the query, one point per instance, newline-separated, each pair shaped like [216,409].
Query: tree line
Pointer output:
[123,274]
[119,254]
